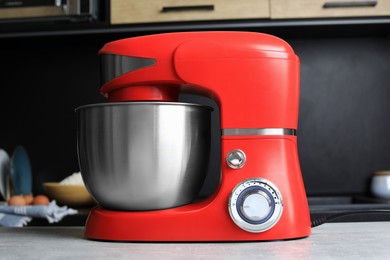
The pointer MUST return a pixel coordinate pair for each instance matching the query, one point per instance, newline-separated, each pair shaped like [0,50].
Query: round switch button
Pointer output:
[235,159]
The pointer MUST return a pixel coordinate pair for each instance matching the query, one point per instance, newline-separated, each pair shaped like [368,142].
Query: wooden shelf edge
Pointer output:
[209,25]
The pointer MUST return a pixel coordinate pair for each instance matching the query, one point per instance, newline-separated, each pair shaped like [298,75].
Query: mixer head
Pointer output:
[251,74]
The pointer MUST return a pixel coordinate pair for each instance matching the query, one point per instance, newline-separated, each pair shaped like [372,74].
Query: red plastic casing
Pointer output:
[254,78]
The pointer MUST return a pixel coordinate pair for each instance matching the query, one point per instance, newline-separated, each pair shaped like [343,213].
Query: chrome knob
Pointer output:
[255,205]
[235,159]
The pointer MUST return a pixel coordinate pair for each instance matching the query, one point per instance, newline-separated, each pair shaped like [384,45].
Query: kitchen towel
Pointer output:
[19,216]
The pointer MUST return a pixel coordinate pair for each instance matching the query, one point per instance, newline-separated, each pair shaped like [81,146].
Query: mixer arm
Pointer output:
[241,71]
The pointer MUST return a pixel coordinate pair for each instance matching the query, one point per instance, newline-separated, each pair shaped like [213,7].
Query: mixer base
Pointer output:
[176,225]
[272,159]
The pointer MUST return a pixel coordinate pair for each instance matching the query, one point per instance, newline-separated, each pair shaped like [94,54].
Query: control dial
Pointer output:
[255,205]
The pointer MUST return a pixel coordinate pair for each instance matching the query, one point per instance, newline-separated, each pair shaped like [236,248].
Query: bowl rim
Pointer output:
[382,173]
[135,103]
[53,184]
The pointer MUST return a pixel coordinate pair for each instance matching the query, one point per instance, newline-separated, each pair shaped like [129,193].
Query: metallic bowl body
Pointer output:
[137,156]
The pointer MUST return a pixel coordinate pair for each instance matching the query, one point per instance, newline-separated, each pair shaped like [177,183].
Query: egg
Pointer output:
[17,200]
[40,200]
[28,199]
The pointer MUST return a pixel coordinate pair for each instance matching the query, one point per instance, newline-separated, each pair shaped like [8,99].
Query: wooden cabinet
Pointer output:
[154,11]
[281,9]
[137,11]
[24,12]
[153,16]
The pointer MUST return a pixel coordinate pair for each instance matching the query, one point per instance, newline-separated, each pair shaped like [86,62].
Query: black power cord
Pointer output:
[325,219]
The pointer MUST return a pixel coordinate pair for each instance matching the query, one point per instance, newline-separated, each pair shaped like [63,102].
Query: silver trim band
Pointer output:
[259,131]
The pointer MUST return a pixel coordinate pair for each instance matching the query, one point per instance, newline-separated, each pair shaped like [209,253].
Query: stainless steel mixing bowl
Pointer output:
[143,155]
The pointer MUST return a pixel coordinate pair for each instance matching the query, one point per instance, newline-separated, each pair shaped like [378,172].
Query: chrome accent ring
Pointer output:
[259,131]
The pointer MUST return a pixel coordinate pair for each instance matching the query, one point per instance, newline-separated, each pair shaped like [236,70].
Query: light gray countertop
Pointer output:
[363,240]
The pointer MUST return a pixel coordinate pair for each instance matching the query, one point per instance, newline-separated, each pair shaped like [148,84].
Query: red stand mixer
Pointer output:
[254,78]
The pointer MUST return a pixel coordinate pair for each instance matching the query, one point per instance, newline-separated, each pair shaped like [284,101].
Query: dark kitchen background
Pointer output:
[344,119]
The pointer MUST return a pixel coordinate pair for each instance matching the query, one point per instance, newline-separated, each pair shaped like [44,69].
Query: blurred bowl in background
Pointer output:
[5,172]
[380,184]
[70,195]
